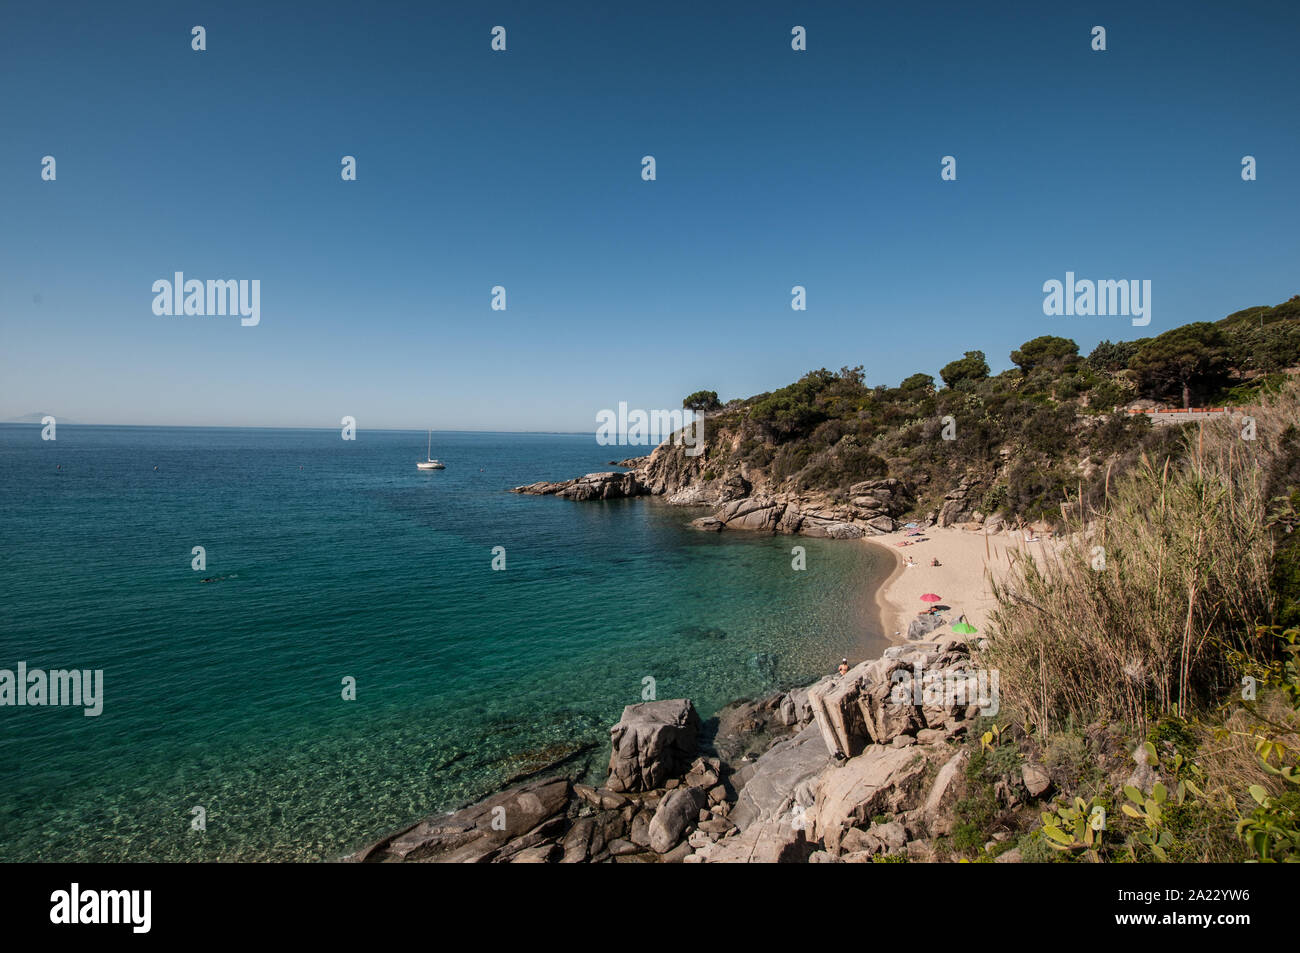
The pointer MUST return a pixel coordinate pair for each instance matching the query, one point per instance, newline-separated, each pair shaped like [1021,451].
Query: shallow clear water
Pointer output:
[341,559]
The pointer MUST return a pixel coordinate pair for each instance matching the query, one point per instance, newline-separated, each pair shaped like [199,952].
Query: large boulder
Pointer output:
[1035,778]
[881,524]
[878,781]
[948,784]
[678,811]
[834,703]
[886,716]
[858,708]
[888,496]
[921,626]
[758,513]
[652,742]
[782,779]
[482,832]
[960,502]
[791,520]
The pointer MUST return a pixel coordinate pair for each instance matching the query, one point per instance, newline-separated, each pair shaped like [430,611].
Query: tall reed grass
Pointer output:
[1132,618]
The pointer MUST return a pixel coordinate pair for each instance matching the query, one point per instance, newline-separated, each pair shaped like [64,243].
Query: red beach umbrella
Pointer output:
[930,597]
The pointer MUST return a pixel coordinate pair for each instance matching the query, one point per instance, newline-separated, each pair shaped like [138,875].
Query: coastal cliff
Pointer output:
[750,498]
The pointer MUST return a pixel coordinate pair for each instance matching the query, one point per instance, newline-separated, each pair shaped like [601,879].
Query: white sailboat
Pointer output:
[430,464]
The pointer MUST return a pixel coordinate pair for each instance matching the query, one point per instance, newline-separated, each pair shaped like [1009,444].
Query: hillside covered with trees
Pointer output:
[1026,439]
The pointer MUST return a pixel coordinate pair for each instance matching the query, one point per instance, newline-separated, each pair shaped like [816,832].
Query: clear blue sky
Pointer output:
[522,168]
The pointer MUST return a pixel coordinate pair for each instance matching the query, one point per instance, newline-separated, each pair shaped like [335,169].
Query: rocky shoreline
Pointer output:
[871,508]
[749,498]
[848,769]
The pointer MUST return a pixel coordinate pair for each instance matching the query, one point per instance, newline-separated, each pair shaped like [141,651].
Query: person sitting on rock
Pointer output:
[844,666]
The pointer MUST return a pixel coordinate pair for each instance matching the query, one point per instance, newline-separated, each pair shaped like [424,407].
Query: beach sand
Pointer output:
[959,578]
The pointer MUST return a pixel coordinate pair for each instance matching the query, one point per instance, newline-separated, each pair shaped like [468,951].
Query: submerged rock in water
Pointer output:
[764,663]
[703,633]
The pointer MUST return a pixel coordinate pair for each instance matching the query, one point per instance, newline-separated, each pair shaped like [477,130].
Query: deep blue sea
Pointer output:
[337,559]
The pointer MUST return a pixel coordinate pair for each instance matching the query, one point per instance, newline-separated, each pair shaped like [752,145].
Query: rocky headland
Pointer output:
[745,497]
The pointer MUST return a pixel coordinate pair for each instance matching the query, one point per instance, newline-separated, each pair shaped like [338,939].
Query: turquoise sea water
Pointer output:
[341,559]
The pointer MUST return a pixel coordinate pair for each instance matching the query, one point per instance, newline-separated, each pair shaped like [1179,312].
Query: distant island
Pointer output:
[36,418]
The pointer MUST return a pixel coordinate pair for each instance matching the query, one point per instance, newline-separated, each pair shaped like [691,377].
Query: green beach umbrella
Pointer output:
[965,628]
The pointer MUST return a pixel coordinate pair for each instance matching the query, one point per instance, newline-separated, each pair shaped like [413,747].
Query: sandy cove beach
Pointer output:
[959,579]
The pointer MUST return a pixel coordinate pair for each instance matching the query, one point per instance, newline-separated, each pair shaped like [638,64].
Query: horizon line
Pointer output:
[74,423]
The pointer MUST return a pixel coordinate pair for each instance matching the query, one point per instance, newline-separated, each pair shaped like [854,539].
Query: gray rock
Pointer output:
[639,832]
[782,778]
[599,798]
[593,486]
[881,524]
[922,625]
[602,486]
[577,842]
[1035,777]
[478,833]
[757,513]
[887,837]
[788,714]
[652,742]
[880,780]
[619,847]
[943,793]
[679,810]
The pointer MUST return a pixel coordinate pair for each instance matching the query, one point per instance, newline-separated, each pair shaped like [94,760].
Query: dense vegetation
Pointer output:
[1153,666]
[1025,437]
